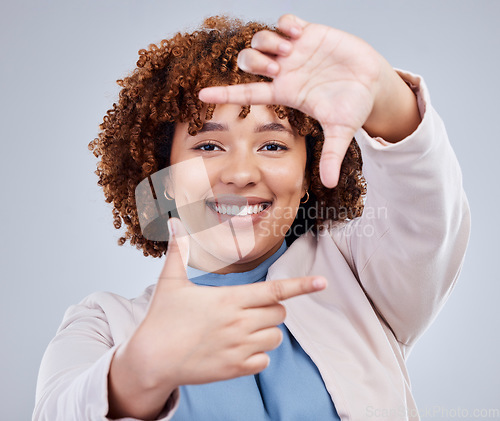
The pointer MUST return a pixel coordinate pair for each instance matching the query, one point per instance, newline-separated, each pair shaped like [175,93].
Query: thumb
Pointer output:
[177,252]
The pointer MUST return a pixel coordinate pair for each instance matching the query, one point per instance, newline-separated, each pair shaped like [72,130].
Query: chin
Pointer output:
[222,246]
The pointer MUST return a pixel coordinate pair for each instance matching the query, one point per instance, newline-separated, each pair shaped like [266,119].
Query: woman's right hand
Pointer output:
[197,334]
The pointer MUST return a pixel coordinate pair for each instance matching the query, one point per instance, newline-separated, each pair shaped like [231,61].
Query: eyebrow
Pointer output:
[268,127]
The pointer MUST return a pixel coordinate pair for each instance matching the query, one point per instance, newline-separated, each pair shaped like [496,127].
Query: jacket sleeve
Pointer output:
[407,248]
[73,377]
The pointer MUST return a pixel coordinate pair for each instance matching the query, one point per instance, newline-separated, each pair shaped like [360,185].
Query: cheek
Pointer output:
[190,181]
[191,186]
[286,181]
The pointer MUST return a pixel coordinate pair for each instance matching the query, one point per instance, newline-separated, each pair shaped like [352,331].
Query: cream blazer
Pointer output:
[389,273]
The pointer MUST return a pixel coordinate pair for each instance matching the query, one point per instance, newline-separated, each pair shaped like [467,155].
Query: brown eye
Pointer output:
[206,147]
[274,147]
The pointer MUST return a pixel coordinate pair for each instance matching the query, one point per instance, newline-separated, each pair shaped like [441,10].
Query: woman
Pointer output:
[359,287]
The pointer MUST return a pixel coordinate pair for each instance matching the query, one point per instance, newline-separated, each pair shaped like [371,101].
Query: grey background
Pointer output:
[60,61]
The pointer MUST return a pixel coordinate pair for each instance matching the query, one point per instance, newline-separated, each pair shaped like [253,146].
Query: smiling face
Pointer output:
[248,183]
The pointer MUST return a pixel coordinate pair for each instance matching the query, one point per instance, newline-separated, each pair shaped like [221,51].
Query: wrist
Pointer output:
[146,364]
[133,390]
[395,114]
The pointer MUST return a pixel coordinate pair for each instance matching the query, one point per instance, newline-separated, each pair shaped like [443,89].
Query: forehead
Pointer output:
[227,117]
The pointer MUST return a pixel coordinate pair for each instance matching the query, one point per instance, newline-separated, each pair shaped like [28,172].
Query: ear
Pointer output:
[307,183]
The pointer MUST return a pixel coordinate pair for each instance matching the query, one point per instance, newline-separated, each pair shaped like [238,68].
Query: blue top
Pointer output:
[289,389]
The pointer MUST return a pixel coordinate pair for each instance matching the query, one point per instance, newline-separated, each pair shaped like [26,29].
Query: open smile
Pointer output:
[238,208]
[234,210]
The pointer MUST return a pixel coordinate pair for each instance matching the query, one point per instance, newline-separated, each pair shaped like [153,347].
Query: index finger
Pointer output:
[271,292]
[256,93]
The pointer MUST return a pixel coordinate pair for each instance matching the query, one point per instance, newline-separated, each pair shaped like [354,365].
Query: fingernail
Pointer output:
[171,227]
[319,283]
[285,47]
[295,31]
[273,68]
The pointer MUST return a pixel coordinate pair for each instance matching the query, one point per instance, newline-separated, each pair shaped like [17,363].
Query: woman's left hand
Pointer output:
[332,76]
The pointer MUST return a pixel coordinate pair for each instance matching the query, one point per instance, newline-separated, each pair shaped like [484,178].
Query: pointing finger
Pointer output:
[272,292]
[258,93]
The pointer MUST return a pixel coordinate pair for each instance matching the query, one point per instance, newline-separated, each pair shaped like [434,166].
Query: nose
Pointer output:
[241,169]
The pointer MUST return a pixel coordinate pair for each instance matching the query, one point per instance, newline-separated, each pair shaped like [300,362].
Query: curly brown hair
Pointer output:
[135,136]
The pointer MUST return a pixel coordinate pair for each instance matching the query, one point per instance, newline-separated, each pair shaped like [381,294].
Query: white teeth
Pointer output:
[244,211]
[257,208]
[236,210]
